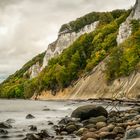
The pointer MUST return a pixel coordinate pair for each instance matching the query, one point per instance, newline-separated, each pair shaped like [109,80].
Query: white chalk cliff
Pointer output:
[125,29]
[65,40]
[136,10]
[33,71]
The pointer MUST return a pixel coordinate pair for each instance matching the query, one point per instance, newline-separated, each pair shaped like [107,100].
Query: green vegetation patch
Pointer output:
[75,61]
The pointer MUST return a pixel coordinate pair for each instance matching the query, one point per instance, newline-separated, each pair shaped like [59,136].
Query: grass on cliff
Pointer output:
[125,58]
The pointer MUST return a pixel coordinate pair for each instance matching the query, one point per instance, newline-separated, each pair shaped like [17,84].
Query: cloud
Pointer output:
[28,26]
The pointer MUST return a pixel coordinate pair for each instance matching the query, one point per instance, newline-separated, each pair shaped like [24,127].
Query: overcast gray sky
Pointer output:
[28,26]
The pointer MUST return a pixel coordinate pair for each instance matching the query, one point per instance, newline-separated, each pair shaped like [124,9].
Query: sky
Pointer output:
[28,26]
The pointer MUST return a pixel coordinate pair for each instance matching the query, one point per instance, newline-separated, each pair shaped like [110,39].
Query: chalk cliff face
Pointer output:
[125,29]
[34,70]
[64,40]
[136,10]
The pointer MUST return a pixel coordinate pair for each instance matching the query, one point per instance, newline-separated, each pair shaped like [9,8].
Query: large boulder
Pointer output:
[3,132]
[88,111]
[5,125]
[132,134]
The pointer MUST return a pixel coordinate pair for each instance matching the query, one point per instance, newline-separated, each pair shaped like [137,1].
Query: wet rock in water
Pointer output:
[100,125]
[5,125]
[71,128]
[64,133]
[67,120]
[19,136]
[3,132]
[59,138]
[132,133]
[30,116]
[94,120]
[88,111]
[38,136]
[50,123]
[46,109]
[5,137]
[44,134]
[32,137]
[33,128]
[72,136]
[10,121]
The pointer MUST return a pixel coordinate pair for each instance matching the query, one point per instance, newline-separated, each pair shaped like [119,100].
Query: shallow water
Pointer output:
[18,109]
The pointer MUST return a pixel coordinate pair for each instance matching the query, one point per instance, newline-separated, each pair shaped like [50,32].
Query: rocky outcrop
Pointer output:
[125,29]
[33,71]
[88,111]
[65,39]
[118,125]
[136,10]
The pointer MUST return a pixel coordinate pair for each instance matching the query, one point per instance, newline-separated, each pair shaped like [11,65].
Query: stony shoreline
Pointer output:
[101,125]
[87,122]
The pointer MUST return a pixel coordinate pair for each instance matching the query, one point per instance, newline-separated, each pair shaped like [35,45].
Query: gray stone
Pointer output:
[71,128]
[10,121]
[88,111]
[119,130]
[90,126]
[100,125]
[132,133]
[89,135]
[5,125]
[107,135]
[94,120]
[33,128]
[81,131]
[3,132]
[64,133]
[30,116]
[91,139]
